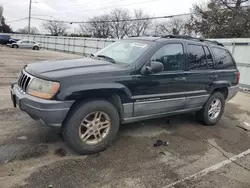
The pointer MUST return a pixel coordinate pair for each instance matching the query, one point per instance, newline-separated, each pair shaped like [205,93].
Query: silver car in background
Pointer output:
[26,44]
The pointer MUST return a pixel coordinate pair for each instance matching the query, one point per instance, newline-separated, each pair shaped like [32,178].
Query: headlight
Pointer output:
[43,88]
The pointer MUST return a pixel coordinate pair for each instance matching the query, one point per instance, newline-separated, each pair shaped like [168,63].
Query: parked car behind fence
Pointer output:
[26,44]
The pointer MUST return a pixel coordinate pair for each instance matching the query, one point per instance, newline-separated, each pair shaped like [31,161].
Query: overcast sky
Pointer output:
[81,10]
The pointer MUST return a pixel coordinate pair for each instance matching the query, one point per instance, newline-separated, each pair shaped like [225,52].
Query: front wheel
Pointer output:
[91,126]
[14,46]
[212,111]
[35,48]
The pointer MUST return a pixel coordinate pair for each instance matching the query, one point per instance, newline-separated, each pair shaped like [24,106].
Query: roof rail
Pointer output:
[192,38]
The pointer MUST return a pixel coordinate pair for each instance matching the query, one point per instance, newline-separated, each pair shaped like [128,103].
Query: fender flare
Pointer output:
[218,84]
[98,86]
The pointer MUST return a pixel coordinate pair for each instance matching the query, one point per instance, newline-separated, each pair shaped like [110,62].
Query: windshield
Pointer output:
[124,51]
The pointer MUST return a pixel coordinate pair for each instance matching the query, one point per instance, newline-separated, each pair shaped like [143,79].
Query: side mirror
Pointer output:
[153,67]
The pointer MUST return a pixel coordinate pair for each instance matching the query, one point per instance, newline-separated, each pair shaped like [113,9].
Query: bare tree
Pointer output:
[120,23]
[175,26]
[55,28]
[84,29]
[140,26]
[4,28]
[98,27]
[33,30]
[1,14]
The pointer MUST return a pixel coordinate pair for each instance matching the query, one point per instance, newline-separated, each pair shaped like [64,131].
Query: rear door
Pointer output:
[225,65]
[201,75]
[31,44]
[28,43]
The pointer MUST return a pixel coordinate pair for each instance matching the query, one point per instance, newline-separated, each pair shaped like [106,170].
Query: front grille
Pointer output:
[24,80]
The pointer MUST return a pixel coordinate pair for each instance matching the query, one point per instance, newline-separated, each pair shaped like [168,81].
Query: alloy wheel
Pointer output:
[94,127]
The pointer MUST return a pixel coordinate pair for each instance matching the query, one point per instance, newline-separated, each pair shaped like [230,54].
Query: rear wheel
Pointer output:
[91,126]
[212,111]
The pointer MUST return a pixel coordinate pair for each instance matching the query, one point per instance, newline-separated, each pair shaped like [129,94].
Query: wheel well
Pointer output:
[223,90]
[114,96]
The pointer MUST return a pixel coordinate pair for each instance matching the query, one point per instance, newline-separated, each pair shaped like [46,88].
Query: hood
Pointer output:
[64,68]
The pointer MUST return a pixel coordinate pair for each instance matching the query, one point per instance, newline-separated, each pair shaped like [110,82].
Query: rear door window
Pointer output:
[223,59]
[209,57]
[196,57]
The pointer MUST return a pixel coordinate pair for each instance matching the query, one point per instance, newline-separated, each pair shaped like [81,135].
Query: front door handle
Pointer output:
[180,79]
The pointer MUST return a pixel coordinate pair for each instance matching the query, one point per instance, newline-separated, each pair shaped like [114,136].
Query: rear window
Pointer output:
[223,59]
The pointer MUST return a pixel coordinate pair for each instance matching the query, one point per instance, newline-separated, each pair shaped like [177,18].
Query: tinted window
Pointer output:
[4,36]
[209,58]
[223,59]
[196,57]
[171,56]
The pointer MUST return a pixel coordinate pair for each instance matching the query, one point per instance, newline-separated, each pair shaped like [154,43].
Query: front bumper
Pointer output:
[50,112]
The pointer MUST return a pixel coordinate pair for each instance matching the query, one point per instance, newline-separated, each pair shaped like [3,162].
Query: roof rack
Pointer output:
[192,38]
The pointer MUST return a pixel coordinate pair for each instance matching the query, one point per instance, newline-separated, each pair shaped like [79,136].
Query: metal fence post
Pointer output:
[64,44]
[44,41]
[84,46]
[55,42]
[73,45]
[97,45]
[233,48]
[68,44]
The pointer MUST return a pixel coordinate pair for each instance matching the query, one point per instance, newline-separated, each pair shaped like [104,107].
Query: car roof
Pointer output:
[179,38]
[143,38]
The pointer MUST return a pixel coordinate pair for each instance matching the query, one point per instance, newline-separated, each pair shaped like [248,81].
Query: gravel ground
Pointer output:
[32,155]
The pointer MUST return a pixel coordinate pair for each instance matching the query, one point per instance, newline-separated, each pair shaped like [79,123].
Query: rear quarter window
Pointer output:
[223,59]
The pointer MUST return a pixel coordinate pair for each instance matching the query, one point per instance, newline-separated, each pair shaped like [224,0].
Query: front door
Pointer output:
[165,91]
[23,44]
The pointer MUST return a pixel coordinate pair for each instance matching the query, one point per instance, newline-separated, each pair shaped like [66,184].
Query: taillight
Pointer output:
[237,78]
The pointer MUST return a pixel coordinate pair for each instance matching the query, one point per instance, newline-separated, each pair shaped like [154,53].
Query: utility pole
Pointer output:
[29,17]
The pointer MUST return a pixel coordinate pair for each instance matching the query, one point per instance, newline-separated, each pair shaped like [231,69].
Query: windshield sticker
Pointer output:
[140,45]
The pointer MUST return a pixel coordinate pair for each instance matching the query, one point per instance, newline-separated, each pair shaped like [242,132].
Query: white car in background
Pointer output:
[26,44]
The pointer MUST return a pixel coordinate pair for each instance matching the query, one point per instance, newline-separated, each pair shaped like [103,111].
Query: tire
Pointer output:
[14,46]
[71,127]
[208,118]
[35,48]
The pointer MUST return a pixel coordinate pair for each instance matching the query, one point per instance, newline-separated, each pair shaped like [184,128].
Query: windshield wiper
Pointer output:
[107,58]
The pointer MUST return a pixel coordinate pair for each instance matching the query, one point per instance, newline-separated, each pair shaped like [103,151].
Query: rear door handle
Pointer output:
[180,79]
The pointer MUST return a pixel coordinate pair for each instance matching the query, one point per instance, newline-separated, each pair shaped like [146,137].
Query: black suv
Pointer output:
[131,80]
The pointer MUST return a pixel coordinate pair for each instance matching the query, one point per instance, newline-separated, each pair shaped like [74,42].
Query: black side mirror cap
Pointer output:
[152,67]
